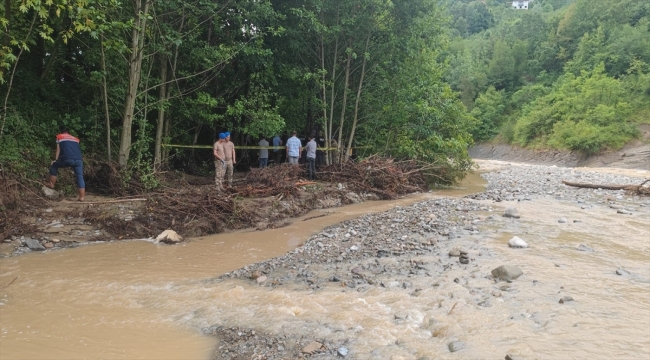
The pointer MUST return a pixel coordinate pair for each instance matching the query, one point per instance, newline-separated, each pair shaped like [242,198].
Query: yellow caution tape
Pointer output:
[239,147]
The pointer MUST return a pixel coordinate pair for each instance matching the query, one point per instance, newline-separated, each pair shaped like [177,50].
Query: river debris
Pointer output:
[383,177]
[641,189]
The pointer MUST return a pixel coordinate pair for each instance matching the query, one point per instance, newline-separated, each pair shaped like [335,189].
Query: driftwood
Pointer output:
[102,202]
[638,189]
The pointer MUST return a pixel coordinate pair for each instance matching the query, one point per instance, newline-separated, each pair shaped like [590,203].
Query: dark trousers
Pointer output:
[263,162]
[311,168]
[76,165]
[278,157]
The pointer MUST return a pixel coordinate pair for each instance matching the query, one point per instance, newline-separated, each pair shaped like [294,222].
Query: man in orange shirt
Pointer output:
[229,153]
[68,154]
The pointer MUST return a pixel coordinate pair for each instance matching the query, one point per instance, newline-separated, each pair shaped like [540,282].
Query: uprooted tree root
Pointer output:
[641,189]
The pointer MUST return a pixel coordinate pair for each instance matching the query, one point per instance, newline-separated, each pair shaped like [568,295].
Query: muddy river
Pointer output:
[138,300]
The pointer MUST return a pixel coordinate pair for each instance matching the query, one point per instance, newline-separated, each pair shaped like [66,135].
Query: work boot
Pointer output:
[82,194]
[50,182]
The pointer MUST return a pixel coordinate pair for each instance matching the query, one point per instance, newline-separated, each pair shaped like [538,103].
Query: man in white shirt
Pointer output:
[311,158]
[264,153]
[294,149]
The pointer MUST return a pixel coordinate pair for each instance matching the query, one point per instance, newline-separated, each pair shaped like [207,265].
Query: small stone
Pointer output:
[55,240]
[280,348]
[517,243]
[454,252]
[342,351]
[48,210]
[456,346]
[624,212]
[463,260]
[312,347]
[354,248]
[566,299]
[48,245]
[507,272]
[622,272]
[585,248]
[511,213]
[256,274]
[562,220]
[261,279]
[513,357]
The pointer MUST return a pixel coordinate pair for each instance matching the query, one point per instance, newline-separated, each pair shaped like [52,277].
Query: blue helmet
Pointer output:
[227,133]
[222,136]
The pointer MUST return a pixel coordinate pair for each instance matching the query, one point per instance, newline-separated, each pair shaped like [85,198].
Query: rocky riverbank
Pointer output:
[442,259]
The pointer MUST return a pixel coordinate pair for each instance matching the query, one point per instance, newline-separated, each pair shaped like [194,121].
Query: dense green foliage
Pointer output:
[127,77]
[571,74]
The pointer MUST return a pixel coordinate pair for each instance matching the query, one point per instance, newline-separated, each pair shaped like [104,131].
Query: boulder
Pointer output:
[169,237]
[507,272]
[50,193]
[34,245]
[511,213]
[517,243]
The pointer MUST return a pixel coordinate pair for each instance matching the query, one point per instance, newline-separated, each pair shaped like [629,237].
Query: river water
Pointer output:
[137,300]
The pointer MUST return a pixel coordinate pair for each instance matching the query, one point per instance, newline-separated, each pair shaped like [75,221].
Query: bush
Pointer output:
[589,137]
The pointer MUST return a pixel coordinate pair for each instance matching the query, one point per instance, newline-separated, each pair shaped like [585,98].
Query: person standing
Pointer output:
[311,158]
[264,153]
[229,152]
[294,149]
[277,152]
[219,161]
[68,154]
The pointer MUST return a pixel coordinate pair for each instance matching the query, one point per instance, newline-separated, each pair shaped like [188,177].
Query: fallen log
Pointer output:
[599,186]
[640,189]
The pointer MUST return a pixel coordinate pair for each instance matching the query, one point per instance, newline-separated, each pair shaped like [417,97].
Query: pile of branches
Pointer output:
[283,179]
[106,179]
[381,176]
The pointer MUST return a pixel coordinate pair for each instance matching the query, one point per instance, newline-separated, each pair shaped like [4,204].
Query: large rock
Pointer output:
[34,245]
[50,193]
[511,213]
[169,237]
[517,243]
[507,272]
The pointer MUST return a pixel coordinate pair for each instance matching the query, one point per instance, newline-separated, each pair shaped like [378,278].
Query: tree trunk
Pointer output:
[324,99]
[162,98]
[356,102]
[135,69]
[345,96]
[603,186]
[330,156]
[105,93]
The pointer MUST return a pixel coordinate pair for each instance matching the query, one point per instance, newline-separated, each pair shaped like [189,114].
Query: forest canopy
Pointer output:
[569,74]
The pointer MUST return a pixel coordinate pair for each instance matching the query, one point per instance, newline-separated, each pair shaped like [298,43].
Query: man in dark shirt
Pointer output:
[68,154]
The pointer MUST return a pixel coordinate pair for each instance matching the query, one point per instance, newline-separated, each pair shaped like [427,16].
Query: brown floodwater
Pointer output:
[126,300]
[138,300]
